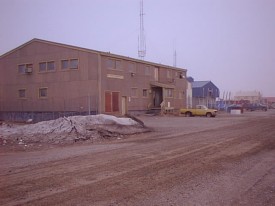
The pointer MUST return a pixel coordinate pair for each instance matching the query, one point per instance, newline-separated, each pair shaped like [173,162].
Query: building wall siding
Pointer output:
[83,89]
[67,90]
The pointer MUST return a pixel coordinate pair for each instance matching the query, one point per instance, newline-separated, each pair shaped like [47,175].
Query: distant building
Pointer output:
[270,101]
[251,96]
[42,80]
[204,92]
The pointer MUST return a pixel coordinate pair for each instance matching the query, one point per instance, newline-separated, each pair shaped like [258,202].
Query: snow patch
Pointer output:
[72,128]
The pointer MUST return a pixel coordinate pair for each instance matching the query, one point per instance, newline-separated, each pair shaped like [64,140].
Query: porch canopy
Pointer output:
[158,84]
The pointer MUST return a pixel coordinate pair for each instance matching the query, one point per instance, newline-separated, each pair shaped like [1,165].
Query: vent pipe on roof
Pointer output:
[190,79]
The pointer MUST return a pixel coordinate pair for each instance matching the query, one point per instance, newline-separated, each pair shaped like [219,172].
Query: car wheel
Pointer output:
[208,114]
[188,114]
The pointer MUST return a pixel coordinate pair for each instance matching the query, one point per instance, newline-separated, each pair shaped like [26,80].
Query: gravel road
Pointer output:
[227,160]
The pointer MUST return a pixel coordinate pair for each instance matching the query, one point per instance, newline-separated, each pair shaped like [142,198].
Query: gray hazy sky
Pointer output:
[230,42]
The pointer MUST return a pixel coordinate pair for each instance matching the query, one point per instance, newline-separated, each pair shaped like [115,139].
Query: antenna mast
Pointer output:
[141,39]
[174,54]
[175,58]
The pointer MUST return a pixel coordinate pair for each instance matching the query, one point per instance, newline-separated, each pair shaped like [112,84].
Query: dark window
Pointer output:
[147,70]
[169,92]
[64,64]
[43,92]
[29,66]
[114,64]
[134,92]
[111,64]
[181,75]
[69,64]
[118,64]
[42,66]
[169,74]
[74,64]
[210,92]
[21,68]
[144,92]
[25,68]
[22,93]
[132,67]
[46,66]
[50,66]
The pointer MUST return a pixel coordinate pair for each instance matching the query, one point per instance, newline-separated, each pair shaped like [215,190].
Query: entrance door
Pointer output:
[111,101]
[124,105]
[157,96]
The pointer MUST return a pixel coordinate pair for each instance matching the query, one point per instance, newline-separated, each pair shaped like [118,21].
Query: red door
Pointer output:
[108,102]
[111,101]
[115,104]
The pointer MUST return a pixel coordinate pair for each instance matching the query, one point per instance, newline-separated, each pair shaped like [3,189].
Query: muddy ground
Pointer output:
[227,160]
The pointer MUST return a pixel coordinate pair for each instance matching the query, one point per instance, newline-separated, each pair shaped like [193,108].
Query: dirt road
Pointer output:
[227,160]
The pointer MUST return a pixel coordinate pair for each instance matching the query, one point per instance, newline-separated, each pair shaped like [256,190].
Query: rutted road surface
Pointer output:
[227,160]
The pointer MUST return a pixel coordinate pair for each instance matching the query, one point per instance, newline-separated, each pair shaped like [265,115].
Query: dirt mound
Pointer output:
[71,129]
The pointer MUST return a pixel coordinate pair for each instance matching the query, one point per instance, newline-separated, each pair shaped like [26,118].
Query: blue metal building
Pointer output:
[204,92]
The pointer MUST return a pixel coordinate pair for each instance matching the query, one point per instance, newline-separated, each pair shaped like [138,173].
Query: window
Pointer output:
[50,66]
[147,70]
[29,66]
[64,64]
[74,64]
[25,68]
[43,92]
[21,68]
[114,64]
[46,66]
[134,92]
[169,92]
[132,67]
[156,74]
[111,64]
[169,74]
[22,93]
[144,92]
[69,64]
[181,75]
[42,66]
[118,64]
[210,92]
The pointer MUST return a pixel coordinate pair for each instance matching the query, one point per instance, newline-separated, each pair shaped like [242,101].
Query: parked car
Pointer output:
[199,110]
[234,107]
[253,107]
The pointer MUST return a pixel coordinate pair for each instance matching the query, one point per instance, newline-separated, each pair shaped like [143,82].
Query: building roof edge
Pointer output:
[88,50]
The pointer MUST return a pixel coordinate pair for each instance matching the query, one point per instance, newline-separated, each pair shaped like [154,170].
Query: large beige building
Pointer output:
[251,96]
[43,80]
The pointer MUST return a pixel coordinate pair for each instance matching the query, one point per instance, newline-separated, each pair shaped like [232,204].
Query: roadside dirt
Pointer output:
[227,160]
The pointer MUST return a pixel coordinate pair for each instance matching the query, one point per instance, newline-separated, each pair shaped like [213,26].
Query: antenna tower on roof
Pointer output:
[141,39]
[175,59]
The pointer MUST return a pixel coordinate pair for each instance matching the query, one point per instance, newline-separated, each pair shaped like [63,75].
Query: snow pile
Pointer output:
[73,128]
